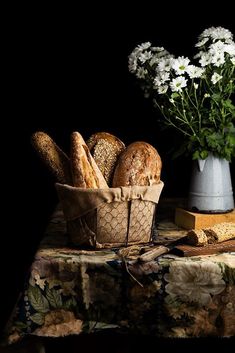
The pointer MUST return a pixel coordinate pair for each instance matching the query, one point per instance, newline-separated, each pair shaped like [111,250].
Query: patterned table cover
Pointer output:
[69,291]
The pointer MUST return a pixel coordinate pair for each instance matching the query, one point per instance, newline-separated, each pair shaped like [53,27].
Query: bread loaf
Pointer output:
[55,159]
[85,172]
[211,235]
[220,232]
[105,148]
[196,237]
[140,164]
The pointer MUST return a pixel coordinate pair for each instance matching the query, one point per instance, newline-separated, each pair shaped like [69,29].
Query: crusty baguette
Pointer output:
[85,172]
[140,164]
[55,159]
[105,149]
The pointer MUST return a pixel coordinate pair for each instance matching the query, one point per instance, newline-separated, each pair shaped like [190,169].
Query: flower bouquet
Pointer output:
[194,98]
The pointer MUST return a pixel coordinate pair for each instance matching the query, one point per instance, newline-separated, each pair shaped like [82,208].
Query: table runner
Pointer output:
[69,291]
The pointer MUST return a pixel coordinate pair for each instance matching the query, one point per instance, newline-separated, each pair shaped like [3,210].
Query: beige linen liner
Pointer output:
[109,217]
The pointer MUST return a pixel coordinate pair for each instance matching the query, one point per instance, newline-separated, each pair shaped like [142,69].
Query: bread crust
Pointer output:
[212,235]
[85,172]
[54,158]
[220,232]
[196,237]
[105,149]
[140,164]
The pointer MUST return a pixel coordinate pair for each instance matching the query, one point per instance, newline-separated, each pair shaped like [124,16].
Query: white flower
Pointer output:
[207,32]
[165,64]
[141,72]
[159,49]
[180,64]
[202,42]
[230,49]
[221,33]
[144,46]
[233,61]
[136,54]
[194,71]
[215,77]
[154,60]
[194,281]
[157,82]
[178,83]
[218,47]
[198,55]
[216,33]
[218,59]
[195,85]
[205,59]
[144,56]
[165,76]
[162,89]
[158,54]
[132,61]
[161,78]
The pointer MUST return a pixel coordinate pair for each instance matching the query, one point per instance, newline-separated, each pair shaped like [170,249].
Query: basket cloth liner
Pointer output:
[76,202]
[106,217]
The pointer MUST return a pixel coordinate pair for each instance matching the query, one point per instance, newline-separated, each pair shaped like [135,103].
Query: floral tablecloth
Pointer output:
[69,291]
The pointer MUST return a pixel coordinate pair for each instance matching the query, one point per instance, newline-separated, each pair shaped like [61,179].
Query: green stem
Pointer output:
[196,106]
[185,117]
[170,121]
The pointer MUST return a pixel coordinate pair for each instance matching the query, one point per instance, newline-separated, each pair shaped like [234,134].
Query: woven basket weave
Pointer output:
[109,218]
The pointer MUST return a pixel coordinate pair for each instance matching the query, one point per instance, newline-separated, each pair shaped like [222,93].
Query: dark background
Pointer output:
[68,70]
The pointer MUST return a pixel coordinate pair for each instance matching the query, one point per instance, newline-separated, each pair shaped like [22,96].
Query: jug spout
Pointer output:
[201,164]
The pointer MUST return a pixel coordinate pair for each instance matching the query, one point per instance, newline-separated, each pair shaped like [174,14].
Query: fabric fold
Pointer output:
[77,202]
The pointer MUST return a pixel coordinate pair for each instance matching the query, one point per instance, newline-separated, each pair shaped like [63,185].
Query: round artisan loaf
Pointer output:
[140,164]
[105,149]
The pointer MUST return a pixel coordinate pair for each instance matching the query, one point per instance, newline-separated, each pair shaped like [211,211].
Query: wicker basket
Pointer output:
[104,218]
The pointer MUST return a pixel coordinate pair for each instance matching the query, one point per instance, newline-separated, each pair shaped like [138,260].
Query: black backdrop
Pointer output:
[68,74]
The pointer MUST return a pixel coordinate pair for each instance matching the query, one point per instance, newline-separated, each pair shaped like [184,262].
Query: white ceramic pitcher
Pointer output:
[211,187]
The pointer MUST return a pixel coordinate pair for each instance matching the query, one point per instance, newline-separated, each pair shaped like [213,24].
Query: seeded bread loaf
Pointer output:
[196,237]
[54,158]
[220,232]
[85,172]
[216,234]
[140,164]
[105,148]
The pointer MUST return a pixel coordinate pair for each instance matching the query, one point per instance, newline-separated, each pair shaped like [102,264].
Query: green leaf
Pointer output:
[203,154]
[37,300]
[38,318]
[70,304]
[54,298]
[216,96]
[174,95]
[196,155]
[228,104]
[231,140]
[21,325]
[228,273]
[101,325]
